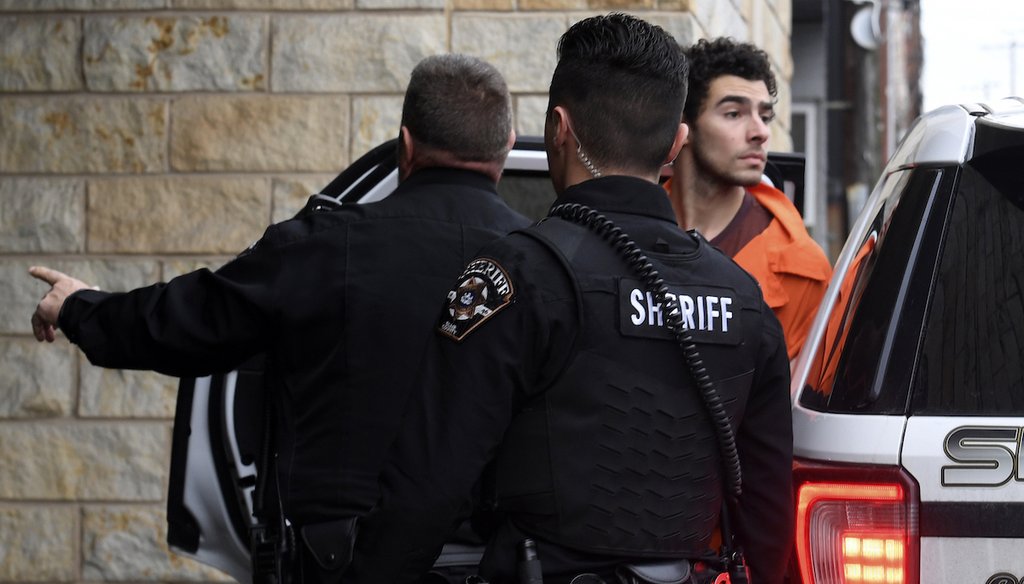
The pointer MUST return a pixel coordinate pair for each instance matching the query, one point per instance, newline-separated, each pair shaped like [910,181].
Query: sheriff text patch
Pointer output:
[710,313]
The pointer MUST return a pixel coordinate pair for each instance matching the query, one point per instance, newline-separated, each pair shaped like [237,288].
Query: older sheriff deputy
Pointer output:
[335,299]
[552,360]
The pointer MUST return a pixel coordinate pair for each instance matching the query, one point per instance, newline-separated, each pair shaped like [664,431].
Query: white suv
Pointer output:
[909,394]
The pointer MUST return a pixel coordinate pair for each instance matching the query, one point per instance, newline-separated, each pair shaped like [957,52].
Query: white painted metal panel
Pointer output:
[847,438]
[959,560]
[986,471]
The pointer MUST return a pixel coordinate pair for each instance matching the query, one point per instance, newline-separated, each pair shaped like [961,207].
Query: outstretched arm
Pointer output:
[196,324]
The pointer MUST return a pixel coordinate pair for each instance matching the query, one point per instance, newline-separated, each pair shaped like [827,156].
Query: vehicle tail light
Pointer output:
[856,525]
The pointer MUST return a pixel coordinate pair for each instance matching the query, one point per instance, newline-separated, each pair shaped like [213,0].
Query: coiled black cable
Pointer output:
[630,251]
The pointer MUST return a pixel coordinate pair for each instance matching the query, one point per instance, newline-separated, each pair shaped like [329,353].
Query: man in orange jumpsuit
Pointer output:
[717,189]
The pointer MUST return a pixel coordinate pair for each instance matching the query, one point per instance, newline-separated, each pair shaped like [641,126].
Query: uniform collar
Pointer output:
[446,175]
[621,194]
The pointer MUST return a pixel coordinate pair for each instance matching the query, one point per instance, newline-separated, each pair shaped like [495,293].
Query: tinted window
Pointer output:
[972,357]
[530,193]
[864,362]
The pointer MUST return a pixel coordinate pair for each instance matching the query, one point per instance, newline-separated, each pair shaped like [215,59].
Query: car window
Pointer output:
[862,364]
[528,192]
[971,357]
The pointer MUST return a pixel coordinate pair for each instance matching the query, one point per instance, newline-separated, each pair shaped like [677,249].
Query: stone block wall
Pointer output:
[140,139]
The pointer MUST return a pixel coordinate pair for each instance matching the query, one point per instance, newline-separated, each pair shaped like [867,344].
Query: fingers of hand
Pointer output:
[48,275]
[62,285]
[43,330]
[59,280]
[37,327]
[49,307]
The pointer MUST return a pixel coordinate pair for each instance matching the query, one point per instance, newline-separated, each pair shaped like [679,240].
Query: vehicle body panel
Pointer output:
[957,560]
[847,438]
[972,501]
[221,546]
[977,465]
[928,399]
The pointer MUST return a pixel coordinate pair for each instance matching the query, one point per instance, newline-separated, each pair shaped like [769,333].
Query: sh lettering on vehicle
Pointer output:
[985,456]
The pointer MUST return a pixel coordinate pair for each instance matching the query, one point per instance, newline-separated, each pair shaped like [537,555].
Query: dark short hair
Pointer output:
[623,81]
[711,59]
[461,105]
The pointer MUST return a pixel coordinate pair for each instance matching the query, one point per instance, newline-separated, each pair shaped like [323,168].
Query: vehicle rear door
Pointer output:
[856,506]
[963,438]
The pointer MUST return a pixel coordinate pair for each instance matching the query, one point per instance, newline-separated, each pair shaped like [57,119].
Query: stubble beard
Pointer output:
[715,176]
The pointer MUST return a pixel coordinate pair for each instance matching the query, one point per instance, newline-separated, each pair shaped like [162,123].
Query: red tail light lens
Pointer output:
[856,525]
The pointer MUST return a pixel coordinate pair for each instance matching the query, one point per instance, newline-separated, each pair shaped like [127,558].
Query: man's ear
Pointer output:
[511,139]
[559,120]
[681,139]
[406,152]
[408,149]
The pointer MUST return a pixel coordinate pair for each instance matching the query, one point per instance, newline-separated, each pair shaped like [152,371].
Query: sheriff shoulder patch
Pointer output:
[483,289]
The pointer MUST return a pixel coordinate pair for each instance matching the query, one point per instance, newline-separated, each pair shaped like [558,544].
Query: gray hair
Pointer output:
[461,105]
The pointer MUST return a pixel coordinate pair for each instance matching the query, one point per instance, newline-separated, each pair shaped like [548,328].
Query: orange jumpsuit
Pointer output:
[790,266]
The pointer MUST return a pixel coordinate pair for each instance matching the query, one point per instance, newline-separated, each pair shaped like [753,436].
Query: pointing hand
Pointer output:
[44,319]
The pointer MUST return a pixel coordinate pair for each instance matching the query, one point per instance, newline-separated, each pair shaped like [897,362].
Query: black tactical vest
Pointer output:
[618,455]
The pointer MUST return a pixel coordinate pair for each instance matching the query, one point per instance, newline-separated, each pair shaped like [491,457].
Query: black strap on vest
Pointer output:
[627,249]
[638,262]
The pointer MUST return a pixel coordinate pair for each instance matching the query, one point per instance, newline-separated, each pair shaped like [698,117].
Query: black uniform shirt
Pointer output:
[518,345]
[342,303]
